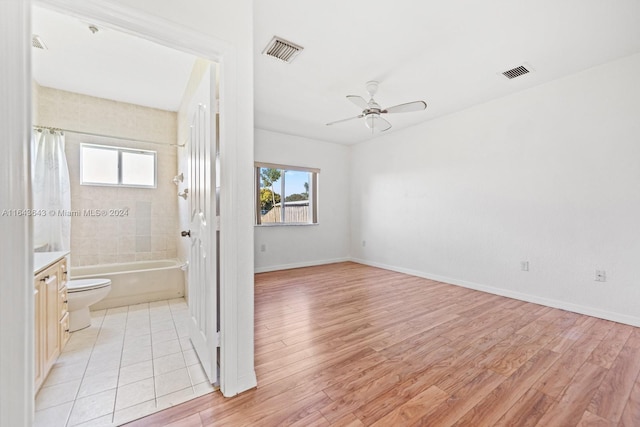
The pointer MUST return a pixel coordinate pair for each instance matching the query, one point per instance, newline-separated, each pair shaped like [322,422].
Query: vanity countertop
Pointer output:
[42,260]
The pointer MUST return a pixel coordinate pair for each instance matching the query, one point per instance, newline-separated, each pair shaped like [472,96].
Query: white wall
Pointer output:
[550,175]
[149,229]
[298,246]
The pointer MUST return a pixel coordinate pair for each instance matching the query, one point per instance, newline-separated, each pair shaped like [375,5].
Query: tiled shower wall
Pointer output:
[149,229]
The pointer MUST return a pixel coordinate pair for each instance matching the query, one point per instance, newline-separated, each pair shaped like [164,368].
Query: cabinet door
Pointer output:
[64,331]
[62,281]
[52,331]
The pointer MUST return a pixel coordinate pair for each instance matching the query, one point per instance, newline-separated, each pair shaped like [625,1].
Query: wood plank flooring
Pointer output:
[351,345]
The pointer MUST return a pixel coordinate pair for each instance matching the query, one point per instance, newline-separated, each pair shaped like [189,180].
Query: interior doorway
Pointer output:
[153,32]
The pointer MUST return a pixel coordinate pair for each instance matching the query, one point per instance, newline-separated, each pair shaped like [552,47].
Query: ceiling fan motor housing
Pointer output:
[372,87]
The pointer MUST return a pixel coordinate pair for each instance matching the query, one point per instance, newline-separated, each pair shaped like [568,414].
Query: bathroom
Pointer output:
[136,357]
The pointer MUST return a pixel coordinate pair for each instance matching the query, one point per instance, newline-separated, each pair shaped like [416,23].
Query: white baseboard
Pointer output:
[299,265]
[563,305]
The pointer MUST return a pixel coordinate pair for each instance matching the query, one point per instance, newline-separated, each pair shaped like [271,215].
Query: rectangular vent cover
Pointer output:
[282,49]
[515,72]
[37,42]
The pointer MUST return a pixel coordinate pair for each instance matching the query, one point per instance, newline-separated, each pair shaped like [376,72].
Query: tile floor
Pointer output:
[131,362]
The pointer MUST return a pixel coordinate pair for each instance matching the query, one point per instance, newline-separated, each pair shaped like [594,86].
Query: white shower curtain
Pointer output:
[51,193]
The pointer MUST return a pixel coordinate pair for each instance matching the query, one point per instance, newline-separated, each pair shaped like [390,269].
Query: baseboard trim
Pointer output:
[563,305]
[299,265]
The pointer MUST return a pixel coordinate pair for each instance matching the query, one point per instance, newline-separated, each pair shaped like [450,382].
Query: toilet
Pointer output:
[81,293]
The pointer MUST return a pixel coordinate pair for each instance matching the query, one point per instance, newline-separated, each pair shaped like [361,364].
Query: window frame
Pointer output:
[120,151]
[313,193]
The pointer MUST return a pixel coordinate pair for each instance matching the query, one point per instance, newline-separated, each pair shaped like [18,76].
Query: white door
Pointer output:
[203,328]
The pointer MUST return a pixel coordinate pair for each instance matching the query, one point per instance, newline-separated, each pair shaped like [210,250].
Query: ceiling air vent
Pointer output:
[282,49]
[37,42]
[516,72]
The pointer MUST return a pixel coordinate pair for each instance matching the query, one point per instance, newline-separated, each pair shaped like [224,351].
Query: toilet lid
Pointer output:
[79,285]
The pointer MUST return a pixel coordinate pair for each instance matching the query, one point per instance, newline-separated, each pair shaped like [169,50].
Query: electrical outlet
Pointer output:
[364,243]
[263,248]
[524,265]
[601,276]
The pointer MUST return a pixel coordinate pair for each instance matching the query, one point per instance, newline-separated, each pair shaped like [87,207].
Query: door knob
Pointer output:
[185,233]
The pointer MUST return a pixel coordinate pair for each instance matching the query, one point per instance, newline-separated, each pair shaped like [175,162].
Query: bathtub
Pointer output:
[136,282]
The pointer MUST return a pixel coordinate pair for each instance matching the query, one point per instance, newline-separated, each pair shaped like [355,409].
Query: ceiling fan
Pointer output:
[371,111]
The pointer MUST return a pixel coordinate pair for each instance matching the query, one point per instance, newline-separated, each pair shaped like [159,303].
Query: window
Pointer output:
[286,194]
[105,165]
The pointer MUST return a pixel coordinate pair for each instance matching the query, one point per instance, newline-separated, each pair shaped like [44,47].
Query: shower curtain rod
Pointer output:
[40,128]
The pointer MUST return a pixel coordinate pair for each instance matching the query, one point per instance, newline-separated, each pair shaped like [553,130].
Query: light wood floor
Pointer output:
[351,345]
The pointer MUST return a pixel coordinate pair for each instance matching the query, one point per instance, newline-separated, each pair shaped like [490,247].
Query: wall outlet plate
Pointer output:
[601,276]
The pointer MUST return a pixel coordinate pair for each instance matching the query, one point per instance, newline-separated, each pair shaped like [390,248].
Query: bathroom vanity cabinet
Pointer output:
[51,315]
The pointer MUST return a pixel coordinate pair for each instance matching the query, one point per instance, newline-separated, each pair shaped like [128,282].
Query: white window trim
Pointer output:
[120,150]
[313,194]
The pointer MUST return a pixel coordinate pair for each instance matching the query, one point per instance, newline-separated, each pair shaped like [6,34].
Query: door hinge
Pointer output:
[217,339]
[218,223]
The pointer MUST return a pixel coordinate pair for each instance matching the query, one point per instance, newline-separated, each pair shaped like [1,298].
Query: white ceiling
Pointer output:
[447,53]
[108,64]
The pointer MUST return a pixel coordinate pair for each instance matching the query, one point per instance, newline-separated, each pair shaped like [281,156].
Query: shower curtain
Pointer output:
[51,192]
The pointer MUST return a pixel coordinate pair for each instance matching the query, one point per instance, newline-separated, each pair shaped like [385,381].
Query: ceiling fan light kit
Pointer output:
[371,110]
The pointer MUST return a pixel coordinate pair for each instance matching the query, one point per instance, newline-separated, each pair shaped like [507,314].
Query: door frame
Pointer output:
[179,37]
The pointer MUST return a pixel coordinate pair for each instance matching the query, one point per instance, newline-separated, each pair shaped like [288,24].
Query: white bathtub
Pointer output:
[136,282]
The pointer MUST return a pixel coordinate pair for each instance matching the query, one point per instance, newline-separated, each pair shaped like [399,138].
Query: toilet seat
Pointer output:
[80,285]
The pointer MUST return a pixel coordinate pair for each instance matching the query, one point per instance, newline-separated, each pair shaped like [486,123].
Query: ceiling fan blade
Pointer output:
[345,120]
[381,124]
[359,101]
[405,108]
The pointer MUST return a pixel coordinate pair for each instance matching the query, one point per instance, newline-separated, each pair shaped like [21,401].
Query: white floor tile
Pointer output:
[166,335]
[98,314]
[190,357]
[158,325]
[92,407]
[64,373]
[135,342]
[166,348]
[185,343]
[134,412]
[101,366]
[57,394]
[134,373]
[165,364]
[105,375]
[175,398]
[202,389]
[79,343]
[54,416]
[106,421]
[130,357]
[98,383]
[135,393]
[172,382]
[183,331]
[74,356]
[197,374]
[136,331]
